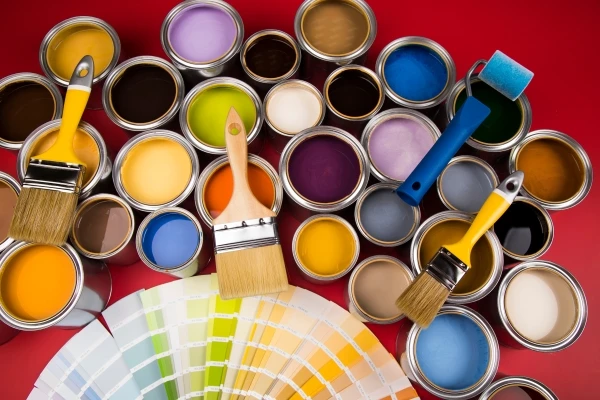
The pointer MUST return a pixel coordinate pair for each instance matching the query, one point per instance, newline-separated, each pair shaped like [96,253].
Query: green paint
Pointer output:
[505,118]
[209,109]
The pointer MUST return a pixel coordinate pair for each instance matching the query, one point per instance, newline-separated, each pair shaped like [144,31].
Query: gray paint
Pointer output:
[466,185]
[385,216]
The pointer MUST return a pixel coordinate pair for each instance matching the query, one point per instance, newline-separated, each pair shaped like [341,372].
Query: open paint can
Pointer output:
[466,183]
[508,123]
[373,288]
[103,229]
[291,107]
[383,218]
[171,241]
[468,363]
[269,57]
[416,72]
[487,259]
[9,194]
[517,388]
[525,230]
[540,306]
[202,38]
[324,169]
[156,169]
[89,147]
[44,286]
[27,101]
[396,141]
[205,109]
[143,93]
[558,172]
[215,187]
[325,248]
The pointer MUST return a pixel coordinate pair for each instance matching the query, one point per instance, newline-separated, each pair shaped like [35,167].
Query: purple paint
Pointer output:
[397,145]
[324,169]
[202,33]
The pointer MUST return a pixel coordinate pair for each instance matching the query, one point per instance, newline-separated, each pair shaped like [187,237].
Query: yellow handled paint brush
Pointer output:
[422,300]
[46,206]
[247,249]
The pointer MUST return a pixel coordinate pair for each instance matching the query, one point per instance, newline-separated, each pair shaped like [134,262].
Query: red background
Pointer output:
[556,40]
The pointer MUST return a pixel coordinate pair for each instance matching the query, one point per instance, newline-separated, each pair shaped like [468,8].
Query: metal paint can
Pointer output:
[558,171]
[13,83]
[97,178]
[486,256]
[155,229]
[521,386]
[230,37]
[484,347]
[110,222]
[325,248]
[139,64]
[187,108]
[9,194]
[92,289]
[373,288]
[217,177]
[178,159]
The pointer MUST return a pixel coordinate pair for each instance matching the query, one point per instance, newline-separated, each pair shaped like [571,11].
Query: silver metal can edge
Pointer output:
[518,381]
[14,184]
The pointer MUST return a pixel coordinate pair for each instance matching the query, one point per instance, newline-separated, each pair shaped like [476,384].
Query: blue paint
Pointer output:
[506,75]
[170,240]
[453,352]
[415,73]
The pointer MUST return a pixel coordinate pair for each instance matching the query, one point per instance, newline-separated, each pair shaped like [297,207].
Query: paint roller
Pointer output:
[500,72]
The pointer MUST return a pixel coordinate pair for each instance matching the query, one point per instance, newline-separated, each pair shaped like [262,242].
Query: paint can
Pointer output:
[269,57]
[539,306]
[525,230]
[325,248]
[469,361]
[103,229]
[205,109]
[143,93]
[517,388]
[45,286]
[27,100]
[323,169]
[353,94]
[333,33]
[396,140]
[373,288]
[291,107]
[383,218]
[9,194]
[402,65]
[171,241]
[202,38]
[215,187]
[558,172]
[506,126]
[156,169]
[486,257]
[89,147]
[466,183]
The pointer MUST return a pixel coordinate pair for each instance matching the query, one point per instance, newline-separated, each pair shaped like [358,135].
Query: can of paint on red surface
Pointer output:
[9,194]
[517,388]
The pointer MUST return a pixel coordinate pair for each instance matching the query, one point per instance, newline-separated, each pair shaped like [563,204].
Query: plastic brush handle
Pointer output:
[465,122]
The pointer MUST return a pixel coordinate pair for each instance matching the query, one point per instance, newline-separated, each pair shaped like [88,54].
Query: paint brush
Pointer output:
[422,300]
[46,206]
[248,254]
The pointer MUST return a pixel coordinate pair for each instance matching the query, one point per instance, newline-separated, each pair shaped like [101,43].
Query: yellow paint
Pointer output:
[156,171]
[37,282]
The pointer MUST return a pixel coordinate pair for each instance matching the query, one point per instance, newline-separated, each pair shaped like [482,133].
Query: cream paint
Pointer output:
[293,108]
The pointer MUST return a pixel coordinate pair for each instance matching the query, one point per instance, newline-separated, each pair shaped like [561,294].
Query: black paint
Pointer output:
[270,56]
[522,229]
[353,93]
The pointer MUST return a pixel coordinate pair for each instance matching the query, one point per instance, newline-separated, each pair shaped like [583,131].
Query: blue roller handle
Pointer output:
[465,122]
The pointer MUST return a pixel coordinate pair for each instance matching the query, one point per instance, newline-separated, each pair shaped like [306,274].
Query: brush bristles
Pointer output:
[43,216]
[422,300]
[251,272]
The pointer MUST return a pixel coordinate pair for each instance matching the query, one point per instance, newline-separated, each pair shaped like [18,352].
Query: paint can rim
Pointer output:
[508,381]
[6,178]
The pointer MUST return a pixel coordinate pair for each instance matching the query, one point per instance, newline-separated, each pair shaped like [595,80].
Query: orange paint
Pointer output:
[37,282]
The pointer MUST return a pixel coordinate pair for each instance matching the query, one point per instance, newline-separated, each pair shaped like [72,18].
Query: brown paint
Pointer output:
[8,200]
[270,56]
[102,226]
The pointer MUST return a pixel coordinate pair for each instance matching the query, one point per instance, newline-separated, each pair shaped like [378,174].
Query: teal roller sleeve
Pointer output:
[506,75]
[467,119]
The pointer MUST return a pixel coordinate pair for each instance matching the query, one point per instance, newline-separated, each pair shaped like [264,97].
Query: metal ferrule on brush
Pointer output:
[446,268]
[52,175]
[245,234]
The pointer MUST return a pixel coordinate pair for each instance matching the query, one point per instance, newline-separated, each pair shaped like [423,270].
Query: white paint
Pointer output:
[541,305]
[293,108]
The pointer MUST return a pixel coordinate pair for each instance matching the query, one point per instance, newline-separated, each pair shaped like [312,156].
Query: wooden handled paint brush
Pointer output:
[46,206]
[248,254]
[422,300]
